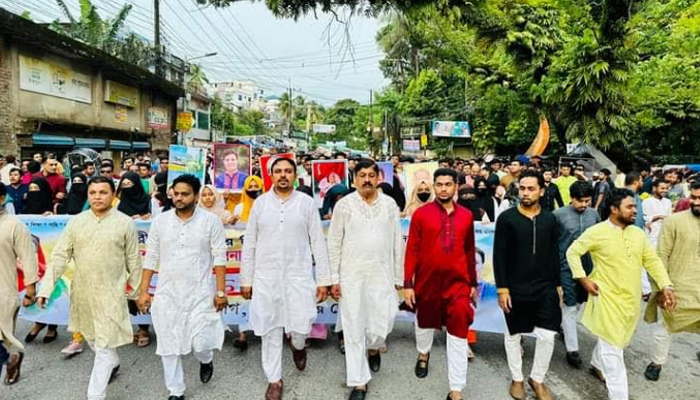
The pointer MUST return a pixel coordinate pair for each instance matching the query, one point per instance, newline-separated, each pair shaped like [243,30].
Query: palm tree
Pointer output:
[196,78]
[286,107]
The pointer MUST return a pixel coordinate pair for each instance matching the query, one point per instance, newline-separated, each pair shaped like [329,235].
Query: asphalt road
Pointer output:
[47,375]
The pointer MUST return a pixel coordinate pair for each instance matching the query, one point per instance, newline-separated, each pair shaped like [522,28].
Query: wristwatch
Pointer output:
[220,294]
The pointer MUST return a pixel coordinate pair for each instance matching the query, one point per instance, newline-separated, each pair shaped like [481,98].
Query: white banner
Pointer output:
[50,78]
[320,128]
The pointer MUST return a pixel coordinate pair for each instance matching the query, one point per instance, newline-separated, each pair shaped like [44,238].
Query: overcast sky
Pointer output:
[252,44]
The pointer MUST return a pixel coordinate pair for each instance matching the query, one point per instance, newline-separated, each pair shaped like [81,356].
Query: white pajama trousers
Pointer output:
[569,324]
[272,346]
[356,363]
[544,348]
[105,361]
[172,370]
[457,355]
[610,361]
[662,344]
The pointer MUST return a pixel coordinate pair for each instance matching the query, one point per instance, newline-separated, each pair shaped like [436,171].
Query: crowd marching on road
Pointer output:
[570,246]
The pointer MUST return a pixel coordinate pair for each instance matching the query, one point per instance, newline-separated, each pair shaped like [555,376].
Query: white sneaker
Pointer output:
[73,348]
[470,354]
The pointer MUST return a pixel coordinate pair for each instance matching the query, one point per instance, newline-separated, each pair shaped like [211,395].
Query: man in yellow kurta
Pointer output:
[618,250]
[15,244]
[104,244]
[678,249]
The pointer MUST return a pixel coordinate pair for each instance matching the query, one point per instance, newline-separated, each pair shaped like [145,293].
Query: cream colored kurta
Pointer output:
[15,243]
[366,249]
[679,250]
[618,256]
[106,254]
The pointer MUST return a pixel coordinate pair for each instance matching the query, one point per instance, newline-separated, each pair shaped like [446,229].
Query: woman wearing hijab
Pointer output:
[161,201]
[39,197]
[39,202]
[485,200]
[76,202]
[252,188]
[422,194]
[388,190]
[333,194]
[133,199]
[212,200]
[135,202]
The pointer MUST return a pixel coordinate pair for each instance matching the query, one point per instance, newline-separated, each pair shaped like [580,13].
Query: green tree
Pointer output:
[105,34]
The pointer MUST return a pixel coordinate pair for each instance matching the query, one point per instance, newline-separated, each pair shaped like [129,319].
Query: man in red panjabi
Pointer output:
[440,278]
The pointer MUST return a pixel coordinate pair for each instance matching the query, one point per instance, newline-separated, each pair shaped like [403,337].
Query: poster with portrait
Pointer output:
[186,160]
[386,172]
[265,162]
[414,174]
[232,165]
[326,174]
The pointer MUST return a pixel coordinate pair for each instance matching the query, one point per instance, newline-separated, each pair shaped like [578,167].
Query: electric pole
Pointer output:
[371,120]
[156,38]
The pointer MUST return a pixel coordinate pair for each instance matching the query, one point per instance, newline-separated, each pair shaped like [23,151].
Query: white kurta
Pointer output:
[654,207]
[281,237]
[366,248]
[185,253]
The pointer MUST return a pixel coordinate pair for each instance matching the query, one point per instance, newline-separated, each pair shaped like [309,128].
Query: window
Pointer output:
[240,98]
[202,120]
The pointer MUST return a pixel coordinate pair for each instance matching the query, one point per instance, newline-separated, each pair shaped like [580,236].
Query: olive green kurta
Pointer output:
[15,243]
[106,255]
[679,250]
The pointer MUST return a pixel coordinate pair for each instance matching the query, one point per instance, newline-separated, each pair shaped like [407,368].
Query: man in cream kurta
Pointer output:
[104,245]
[365,247]
[618,250]
[282,235]
[15,244]
[184,246]
[678,249]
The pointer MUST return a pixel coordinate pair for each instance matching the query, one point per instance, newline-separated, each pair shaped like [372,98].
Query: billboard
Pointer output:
[453,129]
[321,128]
[40,76]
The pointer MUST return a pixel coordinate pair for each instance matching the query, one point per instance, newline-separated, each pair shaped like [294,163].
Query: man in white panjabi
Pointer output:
[365,248]
[104,245]
[282,236]
[15,244]
[184,245]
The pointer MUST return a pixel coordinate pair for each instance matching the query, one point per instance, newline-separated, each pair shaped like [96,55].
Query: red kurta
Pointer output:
[440,265]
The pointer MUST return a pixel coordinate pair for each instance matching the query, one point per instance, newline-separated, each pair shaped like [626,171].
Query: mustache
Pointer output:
[367,185]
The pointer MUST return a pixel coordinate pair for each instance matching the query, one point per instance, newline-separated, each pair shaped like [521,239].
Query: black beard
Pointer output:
[695,211]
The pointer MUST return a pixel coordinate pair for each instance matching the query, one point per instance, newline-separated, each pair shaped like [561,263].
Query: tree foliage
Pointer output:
[620,74]
[104,33]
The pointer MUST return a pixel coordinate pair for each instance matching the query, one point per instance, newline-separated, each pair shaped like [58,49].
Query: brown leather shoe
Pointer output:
[541,391]
[299,358]
[517,390]
[274,391]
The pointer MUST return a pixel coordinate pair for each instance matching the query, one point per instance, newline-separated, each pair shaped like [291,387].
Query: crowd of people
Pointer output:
[570,245]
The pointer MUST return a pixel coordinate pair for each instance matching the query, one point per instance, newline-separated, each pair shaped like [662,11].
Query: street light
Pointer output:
[202,56]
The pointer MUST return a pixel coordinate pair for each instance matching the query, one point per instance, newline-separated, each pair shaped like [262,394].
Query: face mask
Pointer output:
[424,197]
[253,194]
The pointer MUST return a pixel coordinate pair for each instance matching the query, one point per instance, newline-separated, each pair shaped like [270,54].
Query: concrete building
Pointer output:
[241,95]
[57,93]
